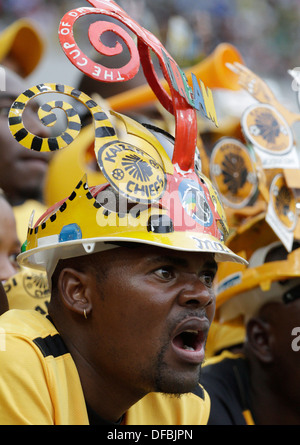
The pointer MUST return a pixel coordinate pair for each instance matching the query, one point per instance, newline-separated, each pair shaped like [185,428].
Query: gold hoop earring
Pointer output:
[84,313]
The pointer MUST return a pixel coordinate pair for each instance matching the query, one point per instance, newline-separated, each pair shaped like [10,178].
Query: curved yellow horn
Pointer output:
[212,71]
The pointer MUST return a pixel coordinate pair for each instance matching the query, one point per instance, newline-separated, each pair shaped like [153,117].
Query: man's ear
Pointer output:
[72,286]
[258,339]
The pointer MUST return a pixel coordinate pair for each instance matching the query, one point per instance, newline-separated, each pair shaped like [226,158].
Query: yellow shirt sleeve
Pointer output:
[24,393]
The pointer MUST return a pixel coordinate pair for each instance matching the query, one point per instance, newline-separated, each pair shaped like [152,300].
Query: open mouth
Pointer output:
[189,340]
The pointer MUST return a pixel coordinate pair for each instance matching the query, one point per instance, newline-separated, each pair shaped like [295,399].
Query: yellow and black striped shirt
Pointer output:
[225,378]
[40,385]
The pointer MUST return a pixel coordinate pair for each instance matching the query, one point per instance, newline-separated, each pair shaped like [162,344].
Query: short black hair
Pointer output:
[81,264]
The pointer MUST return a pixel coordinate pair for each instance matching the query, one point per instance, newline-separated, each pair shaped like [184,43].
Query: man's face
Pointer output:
[22,171]
[152,308]
[283,318]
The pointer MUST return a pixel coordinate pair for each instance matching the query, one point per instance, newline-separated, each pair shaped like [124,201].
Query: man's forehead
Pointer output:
[152,253]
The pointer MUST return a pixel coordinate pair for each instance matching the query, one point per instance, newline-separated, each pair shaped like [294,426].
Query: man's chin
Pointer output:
[175,386]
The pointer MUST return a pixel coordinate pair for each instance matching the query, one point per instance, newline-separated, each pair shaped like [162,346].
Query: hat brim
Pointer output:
[45,257]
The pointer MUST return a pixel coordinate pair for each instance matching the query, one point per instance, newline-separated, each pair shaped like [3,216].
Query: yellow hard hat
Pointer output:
[23,43]
[77,158]
[147,199]
[154,193]
[241,290]
[224,336]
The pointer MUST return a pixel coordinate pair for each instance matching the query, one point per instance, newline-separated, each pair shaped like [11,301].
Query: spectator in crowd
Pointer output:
[257,383]
[9,243]
[22,171]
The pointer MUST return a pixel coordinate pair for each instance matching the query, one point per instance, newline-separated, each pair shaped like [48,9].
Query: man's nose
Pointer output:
[196,294]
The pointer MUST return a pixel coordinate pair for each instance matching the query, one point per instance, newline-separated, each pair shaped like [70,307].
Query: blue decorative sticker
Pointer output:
[70,232]
[194,202]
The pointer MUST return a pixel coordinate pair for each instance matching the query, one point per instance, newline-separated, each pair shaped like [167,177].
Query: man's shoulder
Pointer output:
[225,360]
[29,324]
[222,369]
[225,378]
[28,336]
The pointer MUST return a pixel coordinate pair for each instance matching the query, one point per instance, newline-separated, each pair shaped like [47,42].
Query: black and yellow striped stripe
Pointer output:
[83,189]
[51,345]
[104,130]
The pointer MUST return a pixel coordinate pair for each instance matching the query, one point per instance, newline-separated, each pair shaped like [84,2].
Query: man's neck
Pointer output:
[104,396]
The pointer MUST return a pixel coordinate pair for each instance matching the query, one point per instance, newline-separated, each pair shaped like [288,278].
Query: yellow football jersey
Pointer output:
[28,289]
[40,385]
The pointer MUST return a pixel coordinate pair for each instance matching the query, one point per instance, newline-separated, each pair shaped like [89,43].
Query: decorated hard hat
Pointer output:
[146,198]
[257,179]
[271,275]
[259,172]
[153,194]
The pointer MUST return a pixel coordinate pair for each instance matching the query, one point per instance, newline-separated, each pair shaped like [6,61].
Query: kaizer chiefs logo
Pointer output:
[194,202]
[266,129]
[36,285]
[283,202]
[233,172]
[132,171]
[137,167]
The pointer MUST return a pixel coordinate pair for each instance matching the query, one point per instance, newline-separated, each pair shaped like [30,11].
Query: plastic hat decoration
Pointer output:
[78,158]
[148,198]
[242,290]
[260,173]
[22,42]
[252,234]
[233,171]
[212,71]
[267,125]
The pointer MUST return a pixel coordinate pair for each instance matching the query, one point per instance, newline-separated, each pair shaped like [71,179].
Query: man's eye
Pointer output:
[164,273]
[208,278]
